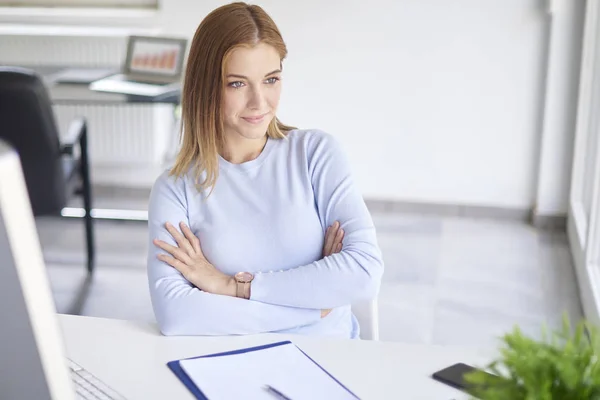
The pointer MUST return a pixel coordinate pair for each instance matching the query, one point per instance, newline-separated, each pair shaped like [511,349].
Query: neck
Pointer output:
[240,150]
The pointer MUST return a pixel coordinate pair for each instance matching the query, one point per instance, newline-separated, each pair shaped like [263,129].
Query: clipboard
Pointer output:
[176,368]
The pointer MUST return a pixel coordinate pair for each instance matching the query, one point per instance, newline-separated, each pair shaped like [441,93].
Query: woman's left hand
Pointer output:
[188,259]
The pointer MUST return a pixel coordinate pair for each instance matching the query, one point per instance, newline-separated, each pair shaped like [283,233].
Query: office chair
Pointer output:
[54,171]
[367,314]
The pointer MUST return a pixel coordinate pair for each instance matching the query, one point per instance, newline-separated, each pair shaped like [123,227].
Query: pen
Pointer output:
[276,392]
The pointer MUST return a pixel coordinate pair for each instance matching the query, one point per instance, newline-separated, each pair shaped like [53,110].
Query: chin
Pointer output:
[256,133]
[253,132]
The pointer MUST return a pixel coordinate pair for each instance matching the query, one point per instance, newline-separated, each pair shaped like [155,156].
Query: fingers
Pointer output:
[193,239]
[337,244]
[173,250]
[183,268]
[181,240]
[334,237]
[329,238]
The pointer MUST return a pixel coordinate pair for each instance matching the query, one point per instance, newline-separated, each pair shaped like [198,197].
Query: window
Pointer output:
[147,4]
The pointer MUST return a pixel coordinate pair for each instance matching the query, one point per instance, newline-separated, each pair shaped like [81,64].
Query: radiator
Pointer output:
[129,144]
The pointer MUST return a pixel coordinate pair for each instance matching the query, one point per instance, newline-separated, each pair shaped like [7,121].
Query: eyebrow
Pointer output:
[245,77]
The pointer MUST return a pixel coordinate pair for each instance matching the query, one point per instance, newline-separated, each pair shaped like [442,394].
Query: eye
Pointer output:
[272,80]
[236,84]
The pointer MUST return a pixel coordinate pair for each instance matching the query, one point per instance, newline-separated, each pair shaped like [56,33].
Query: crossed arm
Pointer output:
[192,297]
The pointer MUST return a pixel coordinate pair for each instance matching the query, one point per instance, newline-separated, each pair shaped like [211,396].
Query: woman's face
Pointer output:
[252,90]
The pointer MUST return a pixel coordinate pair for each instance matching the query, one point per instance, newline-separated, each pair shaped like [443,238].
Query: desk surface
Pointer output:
[131,357]
[79,93]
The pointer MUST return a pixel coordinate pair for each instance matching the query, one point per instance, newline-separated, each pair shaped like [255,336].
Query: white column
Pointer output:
[560,108]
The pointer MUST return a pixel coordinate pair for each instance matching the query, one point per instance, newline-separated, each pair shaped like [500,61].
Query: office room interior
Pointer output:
[470,126]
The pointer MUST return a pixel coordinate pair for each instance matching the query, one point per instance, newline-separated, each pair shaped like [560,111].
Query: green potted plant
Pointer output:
[563,365]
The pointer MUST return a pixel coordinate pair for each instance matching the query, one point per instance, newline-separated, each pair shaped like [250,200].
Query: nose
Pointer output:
[256,98]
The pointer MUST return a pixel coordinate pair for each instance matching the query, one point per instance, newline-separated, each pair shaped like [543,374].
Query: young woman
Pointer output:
[238,227]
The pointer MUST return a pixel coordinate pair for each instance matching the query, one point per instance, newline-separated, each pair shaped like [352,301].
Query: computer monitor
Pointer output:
[33,364]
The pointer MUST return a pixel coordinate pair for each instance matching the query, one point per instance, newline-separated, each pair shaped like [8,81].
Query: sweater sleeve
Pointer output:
[180,307]
[344,278]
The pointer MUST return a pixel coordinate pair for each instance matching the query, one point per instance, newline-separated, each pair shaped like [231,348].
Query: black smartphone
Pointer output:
[453,376]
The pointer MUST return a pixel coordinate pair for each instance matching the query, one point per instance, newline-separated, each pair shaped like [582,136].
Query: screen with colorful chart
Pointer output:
[155,57]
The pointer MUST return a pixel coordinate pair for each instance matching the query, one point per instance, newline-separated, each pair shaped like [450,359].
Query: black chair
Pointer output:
[54,171]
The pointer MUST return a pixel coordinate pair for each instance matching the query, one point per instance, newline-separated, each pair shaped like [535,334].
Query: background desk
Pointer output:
[131,357]
[132,139]
[79,93]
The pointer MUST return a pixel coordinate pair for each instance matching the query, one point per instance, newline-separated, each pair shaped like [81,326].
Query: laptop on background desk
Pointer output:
[153,66]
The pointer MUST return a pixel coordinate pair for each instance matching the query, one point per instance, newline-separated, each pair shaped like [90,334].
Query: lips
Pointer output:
[255,119]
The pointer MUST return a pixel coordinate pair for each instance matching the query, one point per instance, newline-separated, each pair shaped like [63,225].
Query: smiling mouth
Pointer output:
[255,120]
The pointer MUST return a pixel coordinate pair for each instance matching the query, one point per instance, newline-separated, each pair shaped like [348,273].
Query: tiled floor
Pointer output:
[447,280]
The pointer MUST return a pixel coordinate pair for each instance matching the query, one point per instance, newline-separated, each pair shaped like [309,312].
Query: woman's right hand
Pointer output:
[333,244]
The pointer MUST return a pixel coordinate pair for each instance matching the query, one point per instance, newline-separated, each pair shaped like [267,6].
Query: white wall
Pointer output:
[435,101]
[465,102]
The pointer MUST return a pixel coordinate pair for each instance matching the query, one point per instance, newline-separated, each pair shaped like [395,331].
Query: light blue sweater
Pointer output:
[268,216]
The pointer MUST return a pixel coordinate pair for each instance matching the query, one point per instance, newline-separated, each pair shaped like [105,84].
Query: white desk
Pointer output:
[131,357]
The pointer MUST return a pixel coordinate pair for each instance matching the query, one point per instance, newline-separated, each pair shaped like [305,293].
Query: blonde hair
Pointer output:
[223,30]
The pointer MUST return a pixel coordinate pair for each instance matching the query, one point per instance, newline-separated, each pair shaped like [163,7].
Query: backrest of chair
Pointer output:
[27,123]
[367,314]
